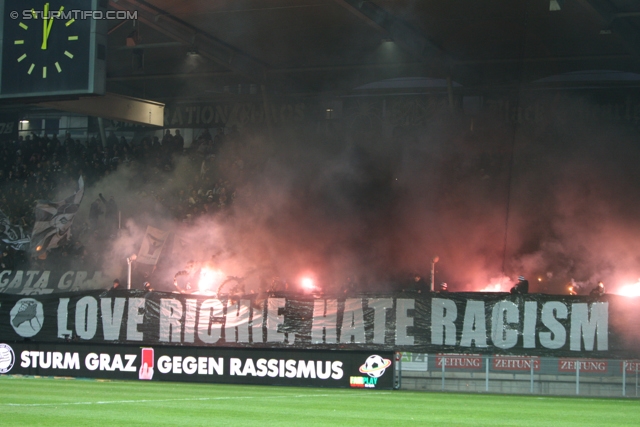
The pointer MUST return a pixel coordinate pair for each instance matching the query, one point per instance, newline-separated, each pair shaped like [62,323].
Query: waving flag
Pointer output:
[12,235]
[53,221]
[152,245]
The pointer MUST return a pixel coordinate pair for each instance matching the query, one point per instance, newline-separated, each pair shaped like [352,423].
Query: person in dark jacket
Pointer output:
[522,287]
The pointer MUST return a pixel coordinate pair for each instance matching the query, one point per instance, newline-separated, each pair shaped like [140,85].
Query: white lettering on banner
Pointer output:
[30,275]
[237,319]
[289,368]
[36,282]
[191,365]
[39,287]
[4,282]
[209,331]
[557,335]
[515,363]
[586,365]
[324,328]
[190,319]
[63,314]
[530,321]
[504,313]
[17,280]
[274,319]
[256,324]
[63,283]
[49,360]
[78,281]
[170,320]
[515,322]
[135,318]
[86,318]
[104,362]
[459,361]
[380,307]
[403,321]
[443,315]
[112,318]
[352,322]
[325,321]
[632,366]
[474,329]
[111,315]
[587,323]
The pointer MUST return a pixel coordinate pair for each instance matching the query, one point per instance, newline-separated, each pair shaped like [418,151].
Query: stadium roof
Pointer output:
[192,49]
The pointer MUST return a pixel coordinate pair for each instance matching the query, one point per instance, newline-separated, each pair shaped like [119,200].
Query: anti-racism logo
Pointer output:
[7,358]
[27,317]
[375,367]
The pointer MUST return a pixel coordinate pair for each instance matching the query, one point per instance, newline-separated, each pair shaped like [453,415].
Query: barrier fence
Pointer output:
[518,374]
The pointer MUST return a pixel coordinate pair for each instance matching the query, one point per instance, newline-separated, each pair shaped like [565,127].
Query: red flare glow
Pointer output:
[307,283]
[210,279]
[632,290]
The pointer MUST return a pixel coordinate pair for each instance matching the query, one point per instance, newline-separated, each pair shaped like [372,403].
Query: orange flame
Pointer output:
[632,290]
[210,279]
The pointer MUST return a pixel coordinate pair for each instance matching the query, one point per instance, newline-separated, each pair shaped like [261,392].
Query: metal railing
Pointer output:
[518,374]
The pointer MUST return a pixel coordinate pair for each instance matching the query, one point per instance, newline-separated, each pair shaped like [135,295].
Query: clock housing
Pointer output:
[53,54]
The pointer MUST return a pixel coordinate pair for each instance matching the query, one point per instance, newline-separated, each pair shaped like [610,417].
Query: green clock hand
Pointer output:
[47,22]
[45,27]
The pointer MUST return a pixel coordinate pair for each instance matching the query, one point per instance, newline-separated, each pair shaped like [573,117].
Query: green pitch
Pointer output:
[58,402]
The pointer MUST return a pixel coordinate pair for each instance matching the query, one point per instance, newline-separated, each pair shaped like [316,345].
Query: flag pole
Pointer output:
[129,261]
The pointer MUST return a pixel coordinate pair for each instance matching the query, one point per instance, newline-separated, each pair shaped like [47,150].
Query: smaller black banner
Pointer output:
[210,365]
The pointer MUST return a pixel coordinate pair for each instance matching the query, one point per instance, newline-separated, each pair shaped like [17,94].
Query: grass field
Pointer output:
[59,402]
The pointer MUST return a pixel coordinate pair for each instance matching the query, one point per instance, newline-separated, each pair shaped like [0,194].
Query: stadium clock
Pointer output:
[51,48]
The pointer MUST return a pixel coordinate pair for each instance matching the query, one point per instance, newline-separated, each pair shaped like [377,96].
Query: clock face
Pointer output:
[46,50]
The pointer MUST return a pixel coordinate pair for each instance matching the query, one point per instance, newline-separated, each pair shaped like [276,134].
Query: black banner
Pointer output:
[482,323]
[193,364]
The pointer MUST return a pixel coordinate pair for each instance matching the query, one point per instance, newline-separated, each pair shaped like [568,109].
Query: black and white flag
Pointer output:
[12,235]
[152,245]
[53,221]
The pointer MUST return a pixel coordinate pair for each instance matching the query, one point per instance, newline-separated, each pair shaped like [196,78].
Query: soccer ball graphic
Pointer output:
[375,366]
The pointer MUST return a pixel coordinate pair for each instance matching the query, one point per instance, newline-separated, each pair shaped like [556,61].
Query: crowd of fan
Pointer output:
[34,167]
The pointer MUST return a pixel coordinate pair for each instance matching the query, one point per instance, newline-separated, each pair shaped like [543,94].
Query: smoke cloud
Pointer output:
[550,199]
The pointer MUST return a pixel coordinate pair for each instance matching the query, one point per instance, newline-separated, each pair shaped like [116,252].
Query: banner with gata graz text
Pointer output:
[40,282]
[494,323]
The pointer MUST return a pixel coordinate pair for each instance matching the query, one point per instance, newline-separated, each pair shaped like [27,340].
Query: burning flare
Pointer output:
[210,279]
[498,284]
[632,290]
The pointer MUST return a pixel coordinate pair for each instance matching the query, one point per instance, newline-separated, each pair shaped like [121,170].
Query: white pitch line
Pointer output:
[194,399]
